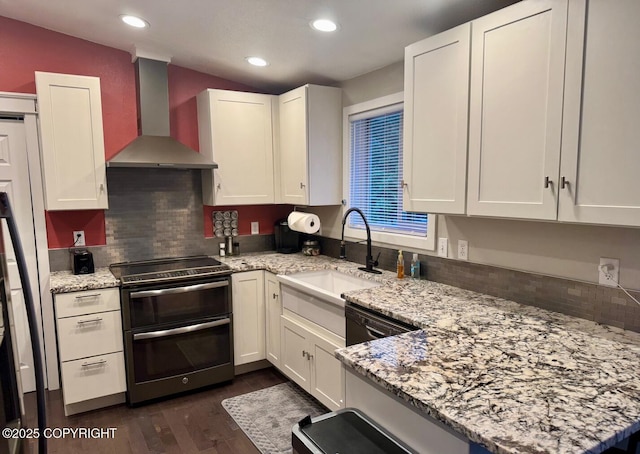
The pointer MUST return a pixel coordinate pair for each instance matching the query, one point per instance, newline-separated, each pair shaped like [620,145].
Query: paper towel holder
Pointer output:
[295,210]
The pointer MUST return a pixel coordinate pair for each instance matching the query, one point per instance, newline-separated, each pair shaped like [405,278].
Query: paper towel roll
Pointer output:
[303,222]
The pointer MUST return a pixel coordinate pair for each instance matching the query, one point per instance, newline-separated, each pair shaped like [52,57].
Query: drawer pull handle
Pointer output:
[374,332]
[304,354]
[547,182]
[102,362]
[182,330]
[93,320]
[564,182]
[82,297]
[177,290]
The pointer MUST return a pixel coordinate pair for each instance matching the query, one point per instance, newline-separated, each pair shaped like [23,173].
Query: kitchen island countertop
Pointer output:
[511,377]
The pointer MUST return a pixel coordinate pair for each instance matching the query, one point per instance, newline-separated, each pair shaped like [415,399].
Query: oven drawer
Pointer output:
[89,335]
[87,302]
[89,378]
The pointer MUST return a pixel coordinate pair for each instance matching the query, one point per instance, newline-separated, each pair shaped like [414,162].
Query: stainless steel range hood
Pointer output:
[154,147]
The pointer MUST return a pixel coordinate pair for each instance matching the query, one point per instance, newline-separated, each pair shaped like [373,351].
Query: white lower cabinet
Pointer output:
[93,377]
[90,348]
[248,317]
[273,307]
[308,360]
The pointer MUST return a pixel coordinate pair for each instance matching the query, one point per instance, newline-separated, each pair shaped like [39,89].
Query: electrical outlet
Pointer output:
[463,250]
[78,238]
[608,272]
[442,247]
[255,228]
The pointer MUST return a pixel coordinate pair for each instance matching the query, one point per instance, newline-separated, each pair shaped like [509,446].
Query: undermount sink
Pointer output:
[315,295]
[327,285]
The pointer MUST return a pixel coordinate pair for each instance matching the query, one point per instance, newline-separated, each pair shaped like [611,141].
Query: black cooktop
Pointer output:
[168,269]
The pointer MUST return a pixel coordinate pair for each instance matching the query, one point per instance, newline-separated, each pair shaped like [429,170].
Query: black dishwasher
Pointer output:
[364,325]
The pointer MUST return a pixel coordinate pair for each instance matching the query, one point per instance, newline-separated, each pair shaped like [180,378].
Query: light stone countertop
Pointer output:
[514,378]
[511,377]
[66,281]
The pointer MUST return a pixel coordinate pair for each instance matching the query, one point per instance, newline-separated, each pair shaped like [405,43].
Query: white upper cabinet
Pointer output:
[436,83]
[515,120]
[235,130]
[601,139]
[72,142]
[310,146]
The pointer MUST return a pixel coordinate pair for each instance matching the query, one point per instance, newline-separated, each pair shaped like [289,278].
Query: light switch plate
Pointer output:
[442,247]
[255,228]
[463,250]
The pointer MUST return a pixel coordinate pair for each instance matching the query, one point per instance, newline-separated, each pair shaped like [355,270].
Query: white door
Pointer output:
[600,160]
[273,307]
[436,108]
[295,353]
[293,147]
[14,180]
[515,116]
[72,140]
[241,143]
[327,376]
[248,317]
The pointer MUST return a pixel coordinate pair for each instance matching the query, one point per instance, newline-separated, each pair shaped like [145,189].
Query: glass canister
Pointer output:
[311,247]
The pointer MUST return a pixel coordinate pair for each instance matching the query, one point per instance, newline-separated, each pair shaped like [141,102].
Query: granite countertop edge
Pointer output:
[67,282]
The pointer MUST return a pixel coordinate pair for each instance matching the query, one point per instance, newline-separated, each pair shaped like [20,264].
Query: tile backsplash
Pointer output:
[155,213]
[606,305]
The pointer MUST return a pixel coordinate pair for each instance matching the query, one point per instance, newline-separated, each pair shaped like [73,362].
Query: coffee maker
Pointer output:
[287,240]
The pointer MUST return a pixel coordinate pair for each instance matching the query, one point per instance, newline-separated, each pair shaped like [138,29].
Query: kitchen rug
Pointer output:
[266,416]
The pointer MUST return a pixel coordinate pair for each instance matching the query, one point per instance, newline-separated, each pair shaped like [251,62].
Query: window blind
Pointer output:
[376,173]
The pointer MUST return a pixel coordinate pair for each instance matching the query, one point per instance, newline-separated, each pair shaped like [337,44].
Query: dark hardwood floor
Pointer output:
[194,423]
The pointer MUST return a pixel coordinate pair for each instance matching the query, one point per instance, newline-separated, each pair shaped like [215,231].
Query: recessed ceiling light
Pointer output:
[324,25]
[257,61]
[134,21]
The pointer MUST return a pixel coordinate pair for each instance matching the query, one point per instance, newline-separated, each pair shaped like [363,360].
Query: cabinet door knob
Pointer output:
[547,182]
[218,186]
[304,353]
[302,185]
[309,356]
[564,182]
[275,295]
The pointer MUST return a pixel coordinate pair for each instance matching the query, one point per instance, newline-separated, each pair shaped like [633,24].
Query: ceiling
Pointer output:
[215,36]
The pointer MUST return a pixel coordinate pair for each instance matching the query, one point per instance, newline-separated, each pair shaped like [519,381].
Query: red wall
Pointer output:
[25,48]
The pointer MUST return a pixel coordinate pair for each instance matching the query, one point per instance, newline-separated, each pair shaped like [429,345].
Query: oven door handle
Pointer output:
[182,330]
[173,291]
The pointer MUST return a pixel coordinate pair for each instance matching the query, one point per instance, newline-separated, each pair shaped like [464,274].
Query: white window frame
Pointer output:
[421,243]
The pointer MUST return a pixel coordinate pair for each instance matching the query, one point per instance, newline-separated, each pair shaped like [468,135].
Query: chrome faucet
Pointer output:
[370,263]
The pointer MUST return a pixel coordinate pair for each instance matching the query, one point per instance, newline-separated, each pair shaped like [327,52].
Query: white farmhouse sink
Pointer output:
[327,285]
[315,295]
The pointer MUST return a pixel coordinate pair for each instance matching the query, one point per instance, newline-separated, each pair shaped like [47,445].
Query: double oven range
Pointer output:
[177,322]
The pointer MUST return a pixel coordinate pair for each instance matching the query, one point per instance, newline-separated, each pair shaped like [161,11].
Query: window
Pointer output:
[373,175]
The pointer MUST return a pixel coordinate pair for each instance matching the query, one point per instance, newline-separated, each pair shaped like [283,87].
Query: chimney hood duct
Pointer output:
[154,147]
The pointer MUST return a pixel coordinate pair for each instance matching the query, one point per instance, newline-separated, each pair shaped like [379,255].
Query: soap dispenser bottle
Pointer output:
[415,267]
[400,265]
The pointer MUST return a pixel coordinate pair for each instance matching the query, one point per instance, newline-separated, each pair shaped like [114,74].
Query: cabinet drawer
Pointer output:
[93,377]
[89,335]
[87,302]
